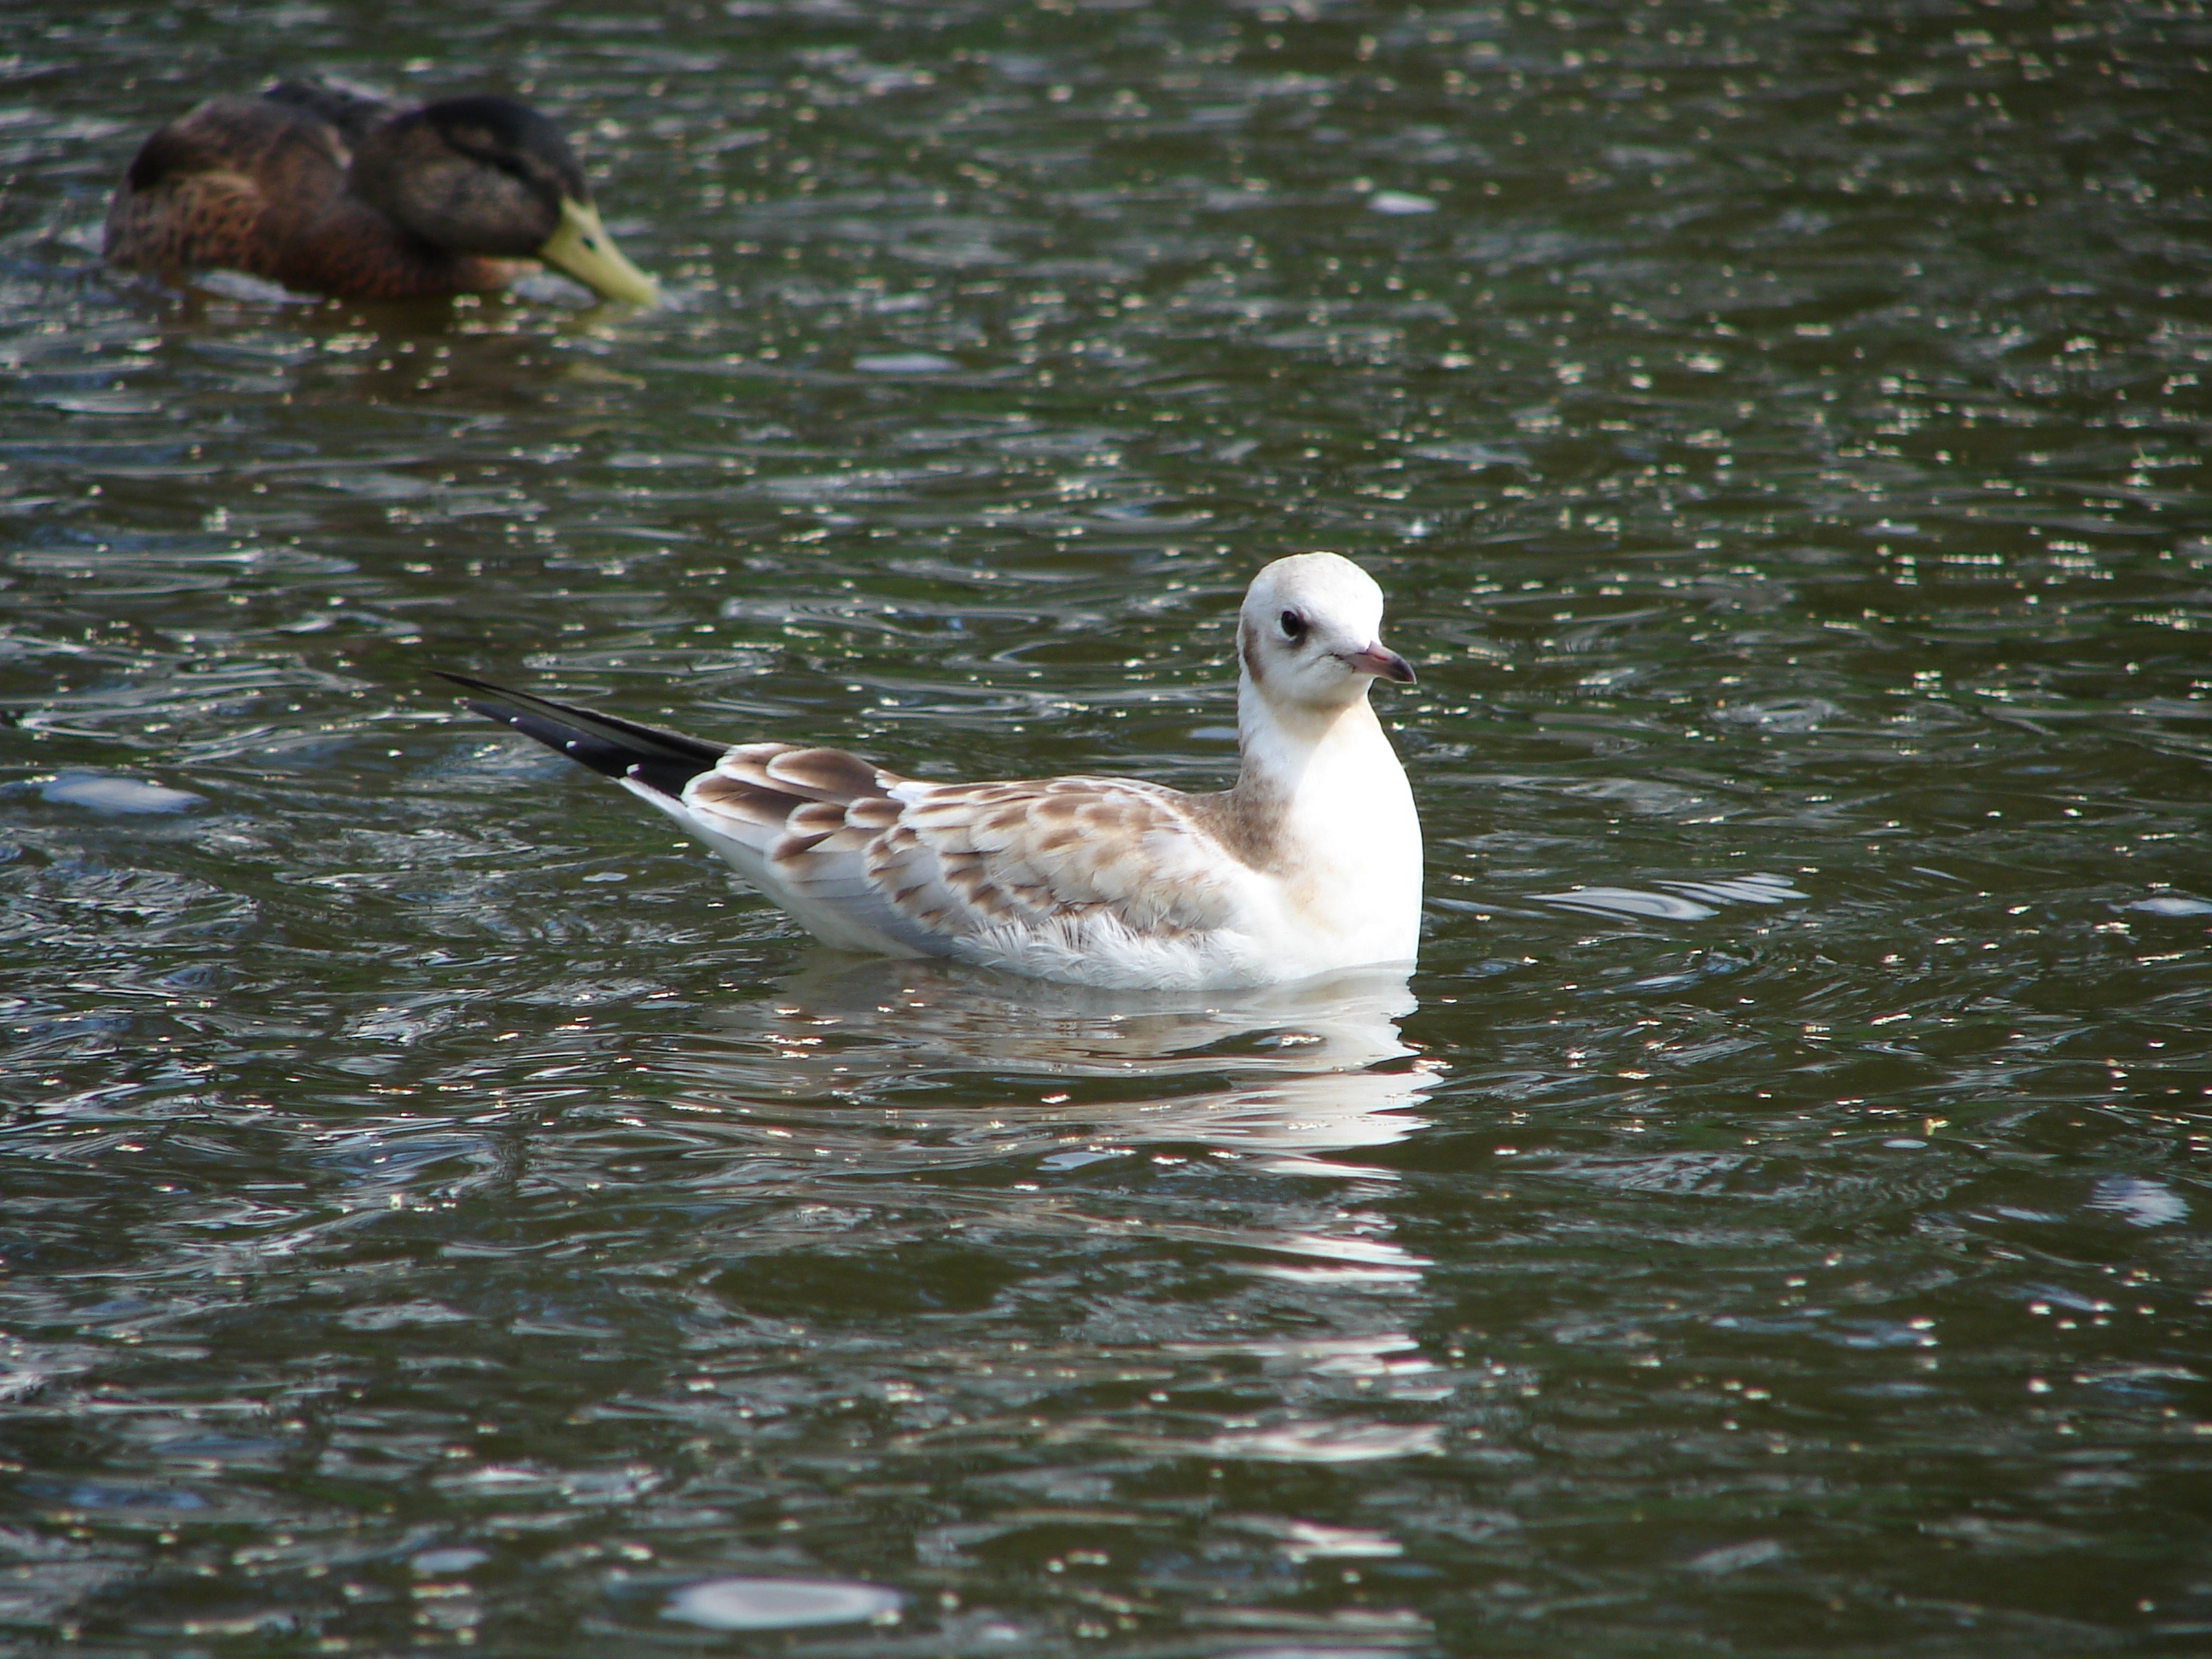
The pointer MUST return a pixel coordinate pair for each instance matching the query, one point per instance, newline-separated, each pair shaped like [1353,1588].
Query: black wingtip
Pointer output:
[612,747]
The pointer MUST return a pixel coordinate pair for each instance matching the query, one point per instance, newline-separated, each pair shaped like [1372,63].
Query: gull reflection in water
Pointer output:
[871,1068]
[1279,1075]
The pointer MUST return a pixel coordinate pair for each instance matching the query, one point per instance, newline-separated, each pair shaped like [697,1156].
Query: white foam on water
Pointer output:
[2172,904]
[102,794]
[904,362]
[2144,1203]
[781,1603]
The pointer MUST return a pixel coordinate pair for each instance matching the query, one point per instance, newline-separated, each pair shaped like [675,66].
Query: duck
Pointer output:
[1310,864]
[332,191]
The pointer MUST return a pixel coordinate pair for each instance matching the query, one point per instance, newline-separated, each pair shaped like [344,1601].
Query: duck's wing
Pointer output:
[214,187]
[871,860]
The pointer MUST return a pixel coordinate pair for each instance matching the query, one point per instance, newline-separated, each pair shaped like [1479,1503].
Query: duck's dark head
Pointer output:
[490,176]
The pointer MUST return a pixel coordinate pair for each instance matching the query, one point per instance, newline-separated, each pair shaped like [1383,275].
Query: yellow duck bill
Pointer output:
[582,248]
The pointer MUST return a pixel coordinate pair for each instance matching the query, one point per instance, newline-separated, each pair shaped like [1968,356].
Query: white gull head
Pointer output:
[1310,636]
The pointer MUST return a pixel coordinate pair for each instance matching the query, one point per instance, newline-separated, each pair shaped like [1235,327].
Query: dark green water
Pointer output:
[438,1212]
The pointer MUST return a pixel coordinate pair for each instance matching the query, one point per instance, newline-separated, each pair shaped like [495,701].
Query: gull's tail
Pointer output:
[661,761]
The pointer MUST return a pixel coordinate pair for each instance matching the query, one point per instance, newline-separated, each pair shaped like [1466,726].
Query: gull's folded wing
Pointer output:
[871,860]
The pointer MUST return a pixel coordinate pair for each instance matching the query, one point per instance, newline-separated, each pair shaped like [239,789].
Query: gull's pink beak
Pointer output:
[1381,661]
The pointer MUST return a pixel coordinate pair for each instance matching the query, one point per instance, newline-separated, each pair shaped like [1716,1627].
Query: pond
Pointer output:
[441,1209]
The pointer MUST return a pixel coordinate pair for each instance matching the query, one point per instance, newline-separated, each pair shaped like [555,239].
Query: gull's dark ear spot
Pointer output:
[1248,652]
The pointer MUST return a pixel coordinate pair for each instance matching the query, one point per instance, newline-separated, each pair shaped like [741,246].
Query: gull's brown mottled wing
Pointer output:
[1025,855]
[929,865]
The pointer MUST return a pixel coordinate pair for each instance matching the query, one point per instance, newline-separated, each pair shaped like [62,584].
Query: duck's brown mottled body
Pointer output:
[260,184]
[327,190]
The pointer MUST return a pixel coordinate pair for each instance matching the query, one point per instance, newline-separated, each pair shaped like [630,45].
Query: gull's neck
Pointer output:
[1322,812]
[1307,772]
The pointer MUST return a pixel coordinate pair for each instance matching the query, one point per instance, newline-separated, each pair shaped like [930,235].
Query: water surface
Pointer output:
[439,1210]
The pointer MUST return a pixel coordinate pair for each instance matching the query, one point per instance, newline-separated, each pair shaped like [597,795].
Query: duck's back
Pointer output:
[260,184]
[350,113]
[228,185]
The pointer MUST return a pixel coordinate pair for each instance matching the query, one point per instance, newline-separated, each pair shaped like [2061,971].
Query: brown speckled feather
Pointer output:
[927,866]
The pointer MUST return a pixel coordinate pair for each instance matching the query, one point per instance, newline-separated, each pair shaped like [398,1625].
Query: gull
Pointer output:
[1310,864]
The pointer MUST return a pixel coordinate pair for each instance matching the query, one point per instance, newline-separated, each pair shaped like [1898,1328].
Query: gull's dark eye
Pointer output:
[1294,625]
